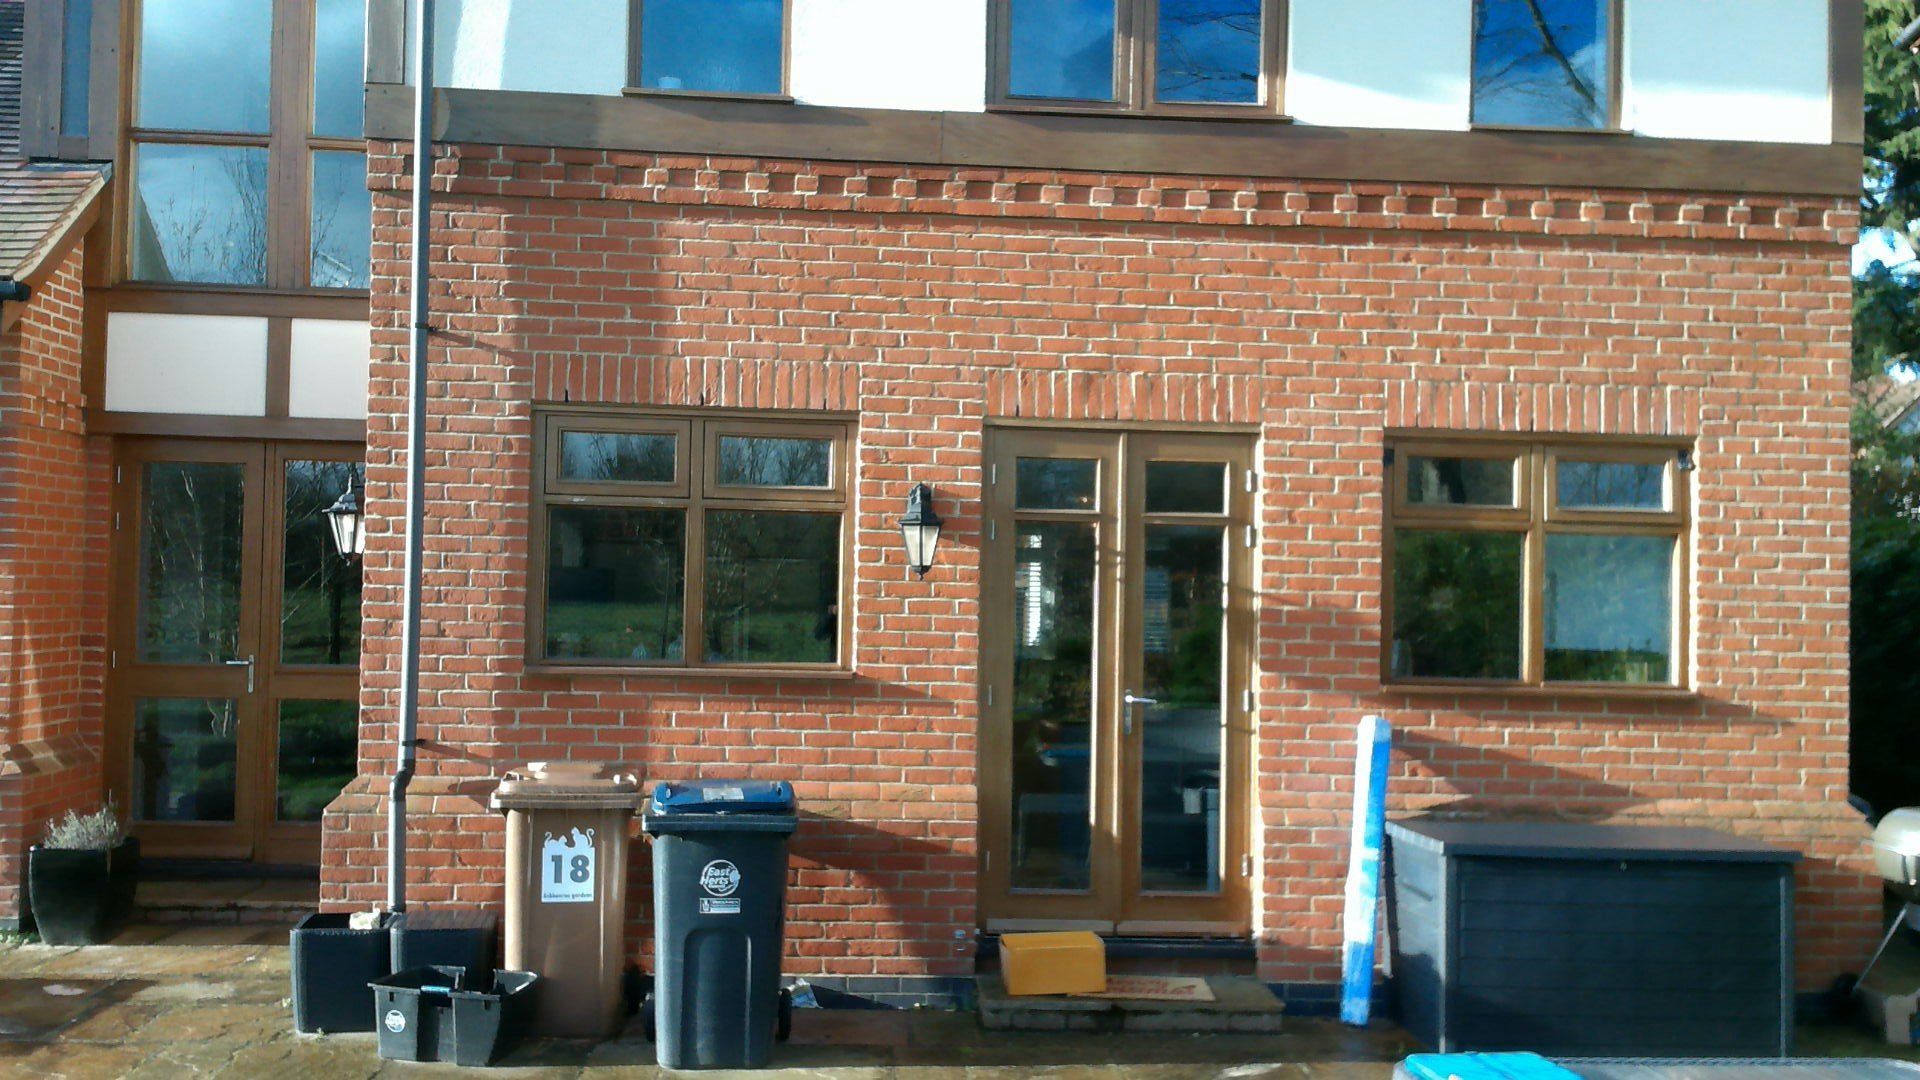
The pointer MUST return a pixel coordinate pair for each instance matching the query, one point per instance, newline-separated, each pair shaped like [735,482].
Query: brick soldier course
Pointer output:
[931,303]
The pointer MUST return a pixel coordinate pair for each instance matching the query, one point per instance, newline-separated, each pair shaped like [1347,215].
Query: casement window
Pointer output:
[729,48]
[1537,564]
[689,540]
[1168,56]
[248,166]
[1546,63]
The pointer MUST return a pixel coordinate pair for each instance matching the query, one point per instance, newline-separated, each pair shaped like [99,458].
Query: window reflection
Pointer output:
[339,76]
[320,590]
[204,65]
[1456,604]
[773,587]
[1609,608]
[1208,51]
[319,741]
[718,46]
[200,214]
[1541,63]
[1185,620]
[191,542]
[614,583]
[341,232]
[1053,705]
[184,754]
[1061,49]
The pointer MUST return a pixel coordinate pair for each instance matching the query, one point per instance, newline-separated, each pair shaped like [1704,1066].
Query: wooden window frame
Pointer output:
[1535,516]
[44,60]
[636,12]
[1616,12]
[289,141]
[1134,68]
[695,492]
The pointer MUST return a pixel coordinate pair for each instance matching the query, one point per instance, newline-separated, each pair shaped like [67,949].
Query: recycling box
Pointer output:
[719,909]
[566,895]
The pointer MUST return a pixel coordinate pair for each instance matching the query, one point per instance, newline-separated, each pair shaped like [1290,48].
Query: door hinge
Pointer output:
[993,530]
[1246,866]
[113,658]
[116,521]
[1246,702]
[1250,483]
[986,860]
[993,475]
[989,695]
[116,474]
[1249,536]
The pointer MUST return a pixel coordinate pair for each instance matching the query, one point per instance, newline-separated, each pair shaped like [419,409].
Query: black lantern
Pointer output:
[349,525]
[920,529]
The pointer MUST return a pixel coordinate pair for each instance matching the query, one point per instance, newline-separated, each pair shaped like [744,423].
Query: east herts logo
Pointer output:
[720,878]
[396,1021]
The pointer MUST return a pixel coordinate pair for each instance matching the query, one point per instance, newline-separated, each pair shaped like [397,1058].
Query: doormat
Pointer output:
[1155,988]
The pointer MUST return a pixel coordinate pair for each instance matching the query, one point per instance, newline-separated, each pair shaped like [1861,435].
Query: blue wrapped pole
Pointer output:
[1371,759]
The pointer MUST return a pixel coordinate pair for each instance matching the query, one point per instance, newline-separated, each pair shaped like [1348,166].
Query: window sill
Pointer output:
[638,671]
[1623,692]
[1247,114]
[705,95]
[1530,129]
[198,288]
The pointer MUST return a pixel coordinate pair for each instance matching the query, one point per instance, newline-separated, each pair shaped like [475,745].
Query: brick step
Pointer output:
[1241,1004]
[225,902]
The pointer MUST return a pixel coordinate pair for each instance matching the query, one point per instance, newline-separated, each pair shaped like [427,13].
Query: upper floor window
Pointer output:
[1183,56]
[1545,63]
[1536,564]
[248,163]
[731,47]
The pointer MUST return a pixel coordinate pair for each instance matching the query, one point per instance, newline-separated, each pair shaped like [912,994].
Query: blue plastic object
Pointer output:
[1484,1067]
[722,797]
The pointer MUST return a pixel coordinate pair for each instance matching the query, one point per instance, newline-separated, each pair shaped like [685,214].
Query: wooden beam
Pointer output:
[186,425]
[1846,31]
[1117,143]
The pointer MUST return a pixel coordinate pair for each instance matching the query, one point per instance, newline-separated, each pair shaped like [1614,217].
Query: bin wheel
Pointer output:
[783,1026]
[646,1018]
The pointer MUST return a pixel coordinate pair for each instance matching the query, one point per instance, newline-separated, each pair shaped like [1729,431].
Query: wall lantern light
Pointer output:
[920,529]
[348,524]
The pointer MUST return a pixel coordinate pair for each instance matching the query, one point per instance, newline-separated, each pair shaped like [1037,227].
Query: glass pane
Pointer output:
[1609,608]
[191,538]
[1611,485]
[1433,481]
[1061,49]
[1186,487]
[319,742]
[319,590]
[1053,657]
[183,759]
[1541,63]
[1180,760]
[204,65]
[773,588]
[339,67]
[76,67]
[1209,51]
[616,578]
[342,225]
[617,457]
[1056,484]
[772,462]
[200,214]
[724,46]
[1456,604]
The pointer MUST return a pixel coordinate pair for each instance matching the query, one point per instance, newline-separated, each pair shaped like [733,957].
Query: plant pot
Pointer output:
[82,897]
[332,965]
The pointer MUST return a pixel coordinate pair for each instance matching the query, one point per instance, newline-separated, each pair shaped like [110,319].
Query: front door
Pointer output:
[234,685]
[1116,633]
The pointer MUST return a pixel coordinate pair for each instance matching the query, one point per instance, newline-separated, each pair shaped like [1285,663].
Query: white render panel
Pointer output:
[214,365]
[1380,64]
[556,46]
[327,373]
[891,54]
[1728,69]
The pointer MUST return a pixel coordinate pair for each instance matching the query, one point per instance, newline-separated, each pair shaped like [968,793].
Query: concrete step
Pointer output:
[248,901]
[1241,1003]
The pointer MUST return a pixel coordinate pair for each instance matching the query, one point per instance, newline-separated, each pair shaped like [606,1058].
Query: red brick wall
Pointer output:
[54,487]
[936,301]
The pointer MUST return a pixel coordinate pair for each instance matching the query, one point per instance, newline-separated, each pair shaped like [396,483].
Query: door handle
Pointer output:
[248,664]
[1128,700]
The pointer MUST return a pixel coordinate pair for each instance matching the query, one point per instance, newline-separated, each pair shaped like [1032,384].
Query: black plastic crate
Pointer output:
[433,937]
[427,1014]
[331,967]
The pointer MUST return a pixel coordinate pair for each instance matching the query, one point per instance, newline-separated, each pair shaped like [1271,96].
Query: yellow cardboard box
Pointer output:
[1073,962]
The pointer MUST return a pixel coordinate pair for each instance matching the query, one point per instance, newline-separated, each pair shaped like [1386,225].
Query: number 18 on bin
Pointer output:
[566,868]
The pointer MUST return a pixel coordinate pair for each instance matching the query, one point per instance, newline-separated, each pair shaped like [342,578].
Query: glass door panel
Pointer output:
[318,747]
[1053,705]
[185,759]
[1183,621]
[319,590]
[192,539]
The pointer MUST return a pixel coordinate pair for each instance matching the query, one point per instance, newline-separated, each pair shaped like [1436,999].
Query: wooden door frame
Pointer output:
[1113,904]
[129,680]
[255,833]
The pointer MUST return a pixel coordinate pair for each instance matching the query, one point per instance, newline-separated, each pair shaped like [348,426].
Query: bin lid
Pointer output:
[721,797]
[566,785]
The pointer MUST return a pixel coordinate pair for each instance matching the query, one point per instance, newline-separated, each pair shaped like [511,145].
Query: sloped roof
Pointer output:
[1891,400]
[39,201]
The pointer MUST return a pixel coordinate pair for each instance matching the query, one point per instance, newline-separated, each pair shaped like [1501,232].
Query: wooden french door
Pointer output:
[234,682]
[1116,656]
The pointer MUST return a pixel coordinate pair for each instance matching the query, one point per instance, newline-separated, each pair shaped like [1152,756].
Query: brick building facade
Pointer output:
[936,304]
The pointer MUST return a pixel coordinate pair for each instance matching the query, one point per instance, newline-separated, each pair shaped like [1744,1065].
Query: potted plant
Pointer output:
[80,880]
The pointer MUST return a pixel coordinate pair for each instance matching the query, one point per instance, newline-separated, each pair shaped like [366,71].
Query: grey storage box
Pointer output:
[1591,940]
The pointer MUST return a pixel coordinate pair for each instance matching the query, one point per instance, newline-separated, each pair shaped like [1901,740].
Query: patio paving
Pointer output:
[166,1002]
